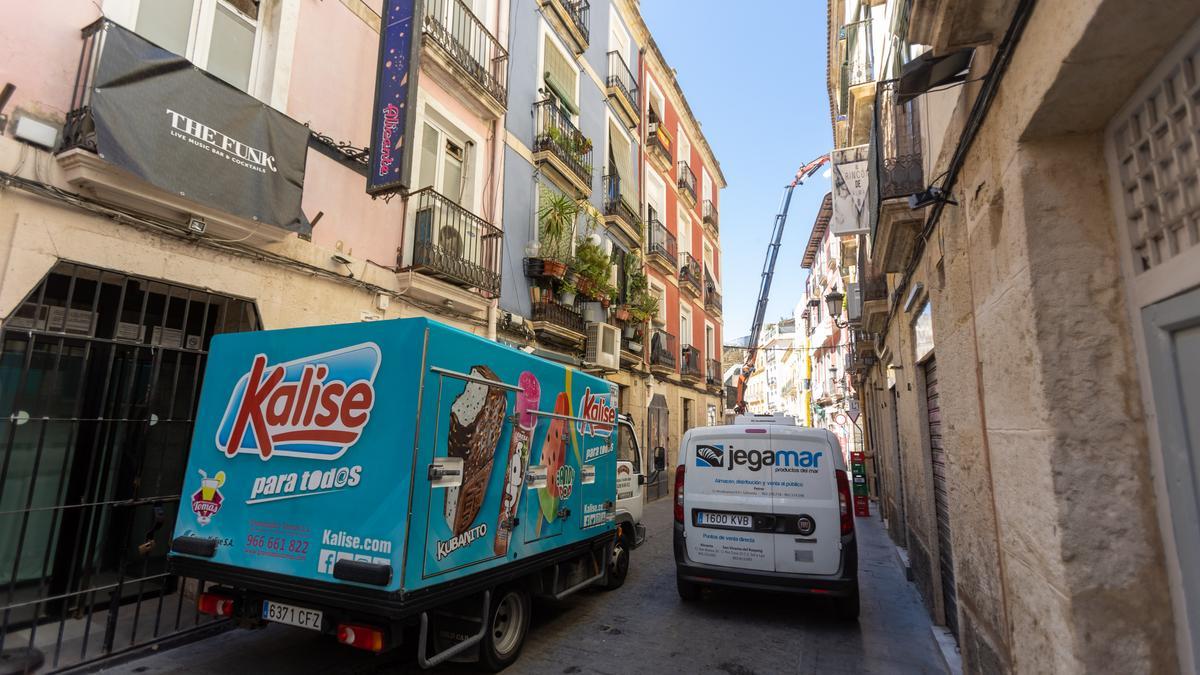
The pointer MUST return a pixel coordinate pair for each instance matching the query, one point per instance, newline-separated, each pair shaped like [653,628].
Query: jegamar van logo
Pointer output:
[710,456]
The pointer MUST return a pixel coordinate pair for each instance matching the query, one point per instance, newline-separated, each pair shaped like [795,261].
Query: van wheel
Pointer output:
[688,591]
[508,623]
[846,608]
[618,565]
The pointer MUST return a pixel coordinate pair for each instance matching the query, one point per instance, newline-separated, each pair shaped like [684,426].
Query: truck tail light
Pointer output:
[679,494]
[215,605]
[360,637]
[847,503]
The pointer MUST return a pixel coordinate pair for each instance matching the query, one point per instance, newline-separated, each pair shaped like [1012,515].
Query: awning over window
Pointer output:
[928,72]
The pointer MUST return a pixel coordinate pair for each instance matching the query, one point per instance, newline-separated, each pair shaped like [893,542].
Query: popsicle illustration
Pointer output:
[554,453]
[518,457]
[476,420]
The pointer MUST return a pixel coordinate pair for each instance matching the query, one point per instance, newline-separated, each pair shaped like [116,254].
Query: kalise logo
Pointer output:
[599,412]
[315,407]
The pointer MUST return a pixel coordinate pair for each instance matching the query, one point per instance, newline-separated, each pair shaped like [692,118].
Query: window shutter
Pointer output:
[623,165]
[560,76]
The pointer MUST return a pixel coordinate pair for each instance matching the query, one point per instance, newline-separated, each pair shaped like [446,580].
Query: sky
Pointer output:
[755,79]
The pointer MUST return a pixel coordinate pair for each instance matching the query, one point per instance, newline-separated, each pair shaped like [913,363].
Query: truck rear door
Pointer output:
[727,498]
[805,502]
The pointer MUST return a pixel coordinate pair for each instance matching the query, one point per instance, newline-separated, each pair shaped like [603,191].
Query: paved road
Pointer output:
[642,626]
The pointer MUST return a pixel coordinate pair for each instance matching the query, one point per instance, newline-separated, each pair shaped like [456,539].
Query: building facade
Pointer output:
[1029,295]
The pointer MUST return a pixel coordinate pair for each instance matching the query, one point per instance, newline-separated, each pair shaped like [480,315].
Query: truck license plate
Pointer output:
[291,615]
[741,521]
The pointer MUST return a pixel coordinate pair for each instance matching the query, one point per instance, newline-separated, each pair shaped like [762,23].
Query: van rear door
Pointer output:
[805,501]
[727,496]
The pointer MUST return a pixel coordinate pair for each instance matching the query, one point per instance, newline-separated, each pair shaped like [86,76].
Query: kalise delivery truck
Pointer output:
[399,478]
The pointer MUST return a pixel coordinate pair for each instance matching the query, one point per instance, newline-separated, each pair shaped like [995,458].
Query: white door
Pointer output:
[805,496]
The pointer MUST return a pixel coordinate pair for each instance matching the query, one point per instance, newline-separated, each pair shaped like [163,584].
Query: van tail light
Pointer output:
[847,503]
[215,605]
[360,637]
[679,494]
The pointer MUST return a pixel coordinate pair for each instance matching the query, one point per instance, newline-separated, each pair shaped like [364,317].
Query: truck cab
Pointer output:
[632,475]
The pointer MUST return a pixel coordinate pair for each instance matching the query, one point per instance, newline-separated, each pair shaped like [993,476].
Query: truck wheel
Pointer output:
[618,565]
[508,623]
[846,608]
[688,591]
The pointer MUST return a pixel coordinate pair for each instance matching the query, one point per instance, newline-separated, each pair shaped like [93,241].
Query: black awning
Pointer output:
[928,71]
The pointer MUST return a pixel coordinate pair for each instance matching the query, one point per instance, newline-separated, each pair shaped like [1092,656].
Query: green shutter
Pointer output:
[560,76]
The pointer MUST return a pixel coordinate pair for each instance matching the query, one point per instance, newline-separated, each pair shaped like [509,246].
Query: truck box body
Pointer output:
[315,445]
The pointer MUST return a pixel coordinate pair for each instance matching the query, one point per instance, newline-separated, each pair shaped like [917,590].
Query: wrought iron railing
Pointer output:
[713,372]
[662,242]
[712,299]
[580,13]
[556,134]
[451,25]
[858,62]
[689,362]
[894,156]
[558,314]
[708,212]
[614,205]
[453,243]
[664,349]
[659,139]
[79,132]
[689,270]
[687,180]
[622,79]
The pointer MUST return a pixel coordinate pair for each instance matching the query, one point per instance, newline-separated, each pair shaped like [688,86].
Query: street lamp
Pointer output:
[833,300]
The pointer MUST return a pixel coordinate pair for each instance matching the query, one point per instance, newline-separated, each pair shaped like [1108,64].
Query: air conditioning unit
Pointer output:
[603,346]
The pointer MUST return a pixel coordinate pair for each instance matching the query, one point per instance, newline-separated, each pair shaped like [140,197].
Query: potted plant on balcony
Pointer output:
[566,293]
[556,222]
[633,341]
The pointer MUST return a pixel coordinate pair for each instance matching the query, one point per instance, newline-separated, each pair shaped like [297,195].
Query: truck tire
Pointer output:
[688,591]
[618,566]
[508,624]
[846,608]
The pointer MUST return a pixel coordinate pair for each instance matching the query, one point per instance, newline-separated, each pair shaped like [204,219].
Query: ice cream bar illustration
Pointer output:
[518,457]
[554,453]
[476,420]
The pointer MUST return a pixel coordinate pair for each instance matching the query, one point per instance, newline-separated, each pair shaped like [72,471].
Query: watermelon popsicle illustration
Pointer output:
[518,457]
[554,455]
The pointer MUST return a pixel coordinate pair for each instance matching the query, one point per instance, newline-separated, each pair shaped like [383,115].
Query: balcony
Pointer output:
[712,372]
[662,247]
[664,351]
[658,146]
[712,299]
[708,212]
[557,323]
[621,87]
[689,275]
[619,213]
[461,51]
[686,182]
[561,150]
[453,244]
[873,287]
[571,19]
[689,365]
[896,171]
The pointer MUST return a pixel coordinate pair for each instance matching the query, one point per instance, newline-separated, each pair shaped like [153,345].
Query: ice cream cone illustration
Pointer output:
[476,420]
[518,458]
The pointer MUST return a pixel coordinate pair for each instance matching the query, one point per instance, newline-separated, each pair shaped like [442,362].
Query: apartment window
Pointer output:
[685,147]
[443,161]
[685,325]
[560,76]
[706,188]
[656,105]
[661,293]
[710,341]
[220,36]
[683,226]
[656,196]
[618,37]
[620,164]
[708,261]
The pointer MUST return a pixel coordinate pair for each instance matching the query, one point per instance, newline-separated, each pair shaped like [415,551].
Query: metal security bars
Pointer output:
[614,205]
[556,134]
[664,349]
[689,271]
[713,377]
[452,26]
[622,79]
[101,374]
[560,315]
[687,180]
[689,365]
[662,243]
[708,211]
[452,243]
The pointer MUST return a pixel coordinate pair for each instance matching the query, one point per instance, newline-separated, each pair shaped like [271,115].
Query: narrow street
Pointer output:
[642,625]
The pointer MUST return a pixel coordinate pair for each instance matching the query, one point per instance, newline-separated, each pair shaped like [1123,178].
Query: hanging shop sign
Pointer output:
[187,132]
[394,117]
[849,191]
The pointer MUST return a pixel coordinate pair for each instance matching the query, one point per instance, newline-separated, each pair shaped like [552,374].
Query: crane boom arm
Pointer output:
[768,273]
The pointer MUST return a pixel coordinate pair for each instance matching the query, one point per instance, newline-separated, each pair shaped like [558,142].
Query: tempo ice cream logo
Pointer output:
[314,407]
[207,500]
[599,412]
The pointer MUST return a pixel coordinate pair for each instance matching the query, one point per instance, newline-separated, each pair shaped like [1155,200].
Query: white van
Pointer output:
[765,504]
